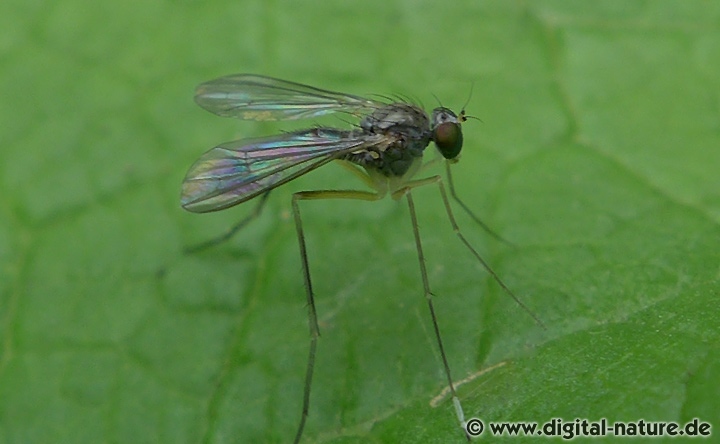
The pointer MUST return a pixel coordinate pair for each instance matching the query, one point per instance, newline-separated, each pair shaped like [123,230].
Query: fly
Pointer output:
[385,151]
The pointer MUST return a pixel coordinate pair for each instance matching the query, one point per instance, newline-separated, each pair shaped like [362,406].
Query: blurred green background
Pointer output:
[597,156]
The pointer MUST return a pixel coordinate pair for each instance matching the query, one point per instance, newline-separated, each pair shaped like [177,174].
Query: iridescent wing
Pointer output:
[253,97]
[235,172]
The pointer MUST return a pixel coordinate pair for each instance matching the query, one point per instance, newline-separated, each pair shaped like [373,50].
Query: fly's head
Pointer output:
[446,131]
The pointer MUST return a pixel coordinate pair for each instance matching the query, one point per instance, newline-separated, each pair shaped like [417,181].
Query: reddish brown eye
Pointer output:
[449,139]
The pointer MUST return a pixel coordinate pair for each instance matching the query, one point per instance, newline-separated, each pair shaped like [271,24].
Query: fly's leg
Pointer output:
[456,229]
[312,313]
[451,218]
[428,298]
[406,191]
[234,229]
[469,212]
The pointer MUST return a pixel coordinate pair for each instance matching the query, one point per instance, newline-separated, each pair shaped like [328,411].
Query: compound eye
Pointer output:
[449,139]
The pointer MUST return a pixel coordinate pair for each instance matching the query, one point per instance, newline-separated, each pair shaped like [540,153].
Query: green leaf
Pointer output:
[597,158]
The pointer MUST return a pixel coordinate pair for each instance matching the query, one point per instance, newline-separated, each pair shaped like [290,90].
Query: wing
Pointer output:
[235,172]
[252,97]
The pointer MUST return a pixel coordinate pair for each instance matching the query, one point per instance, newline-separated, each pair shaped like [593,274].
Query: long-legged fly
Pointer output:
[385,151]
